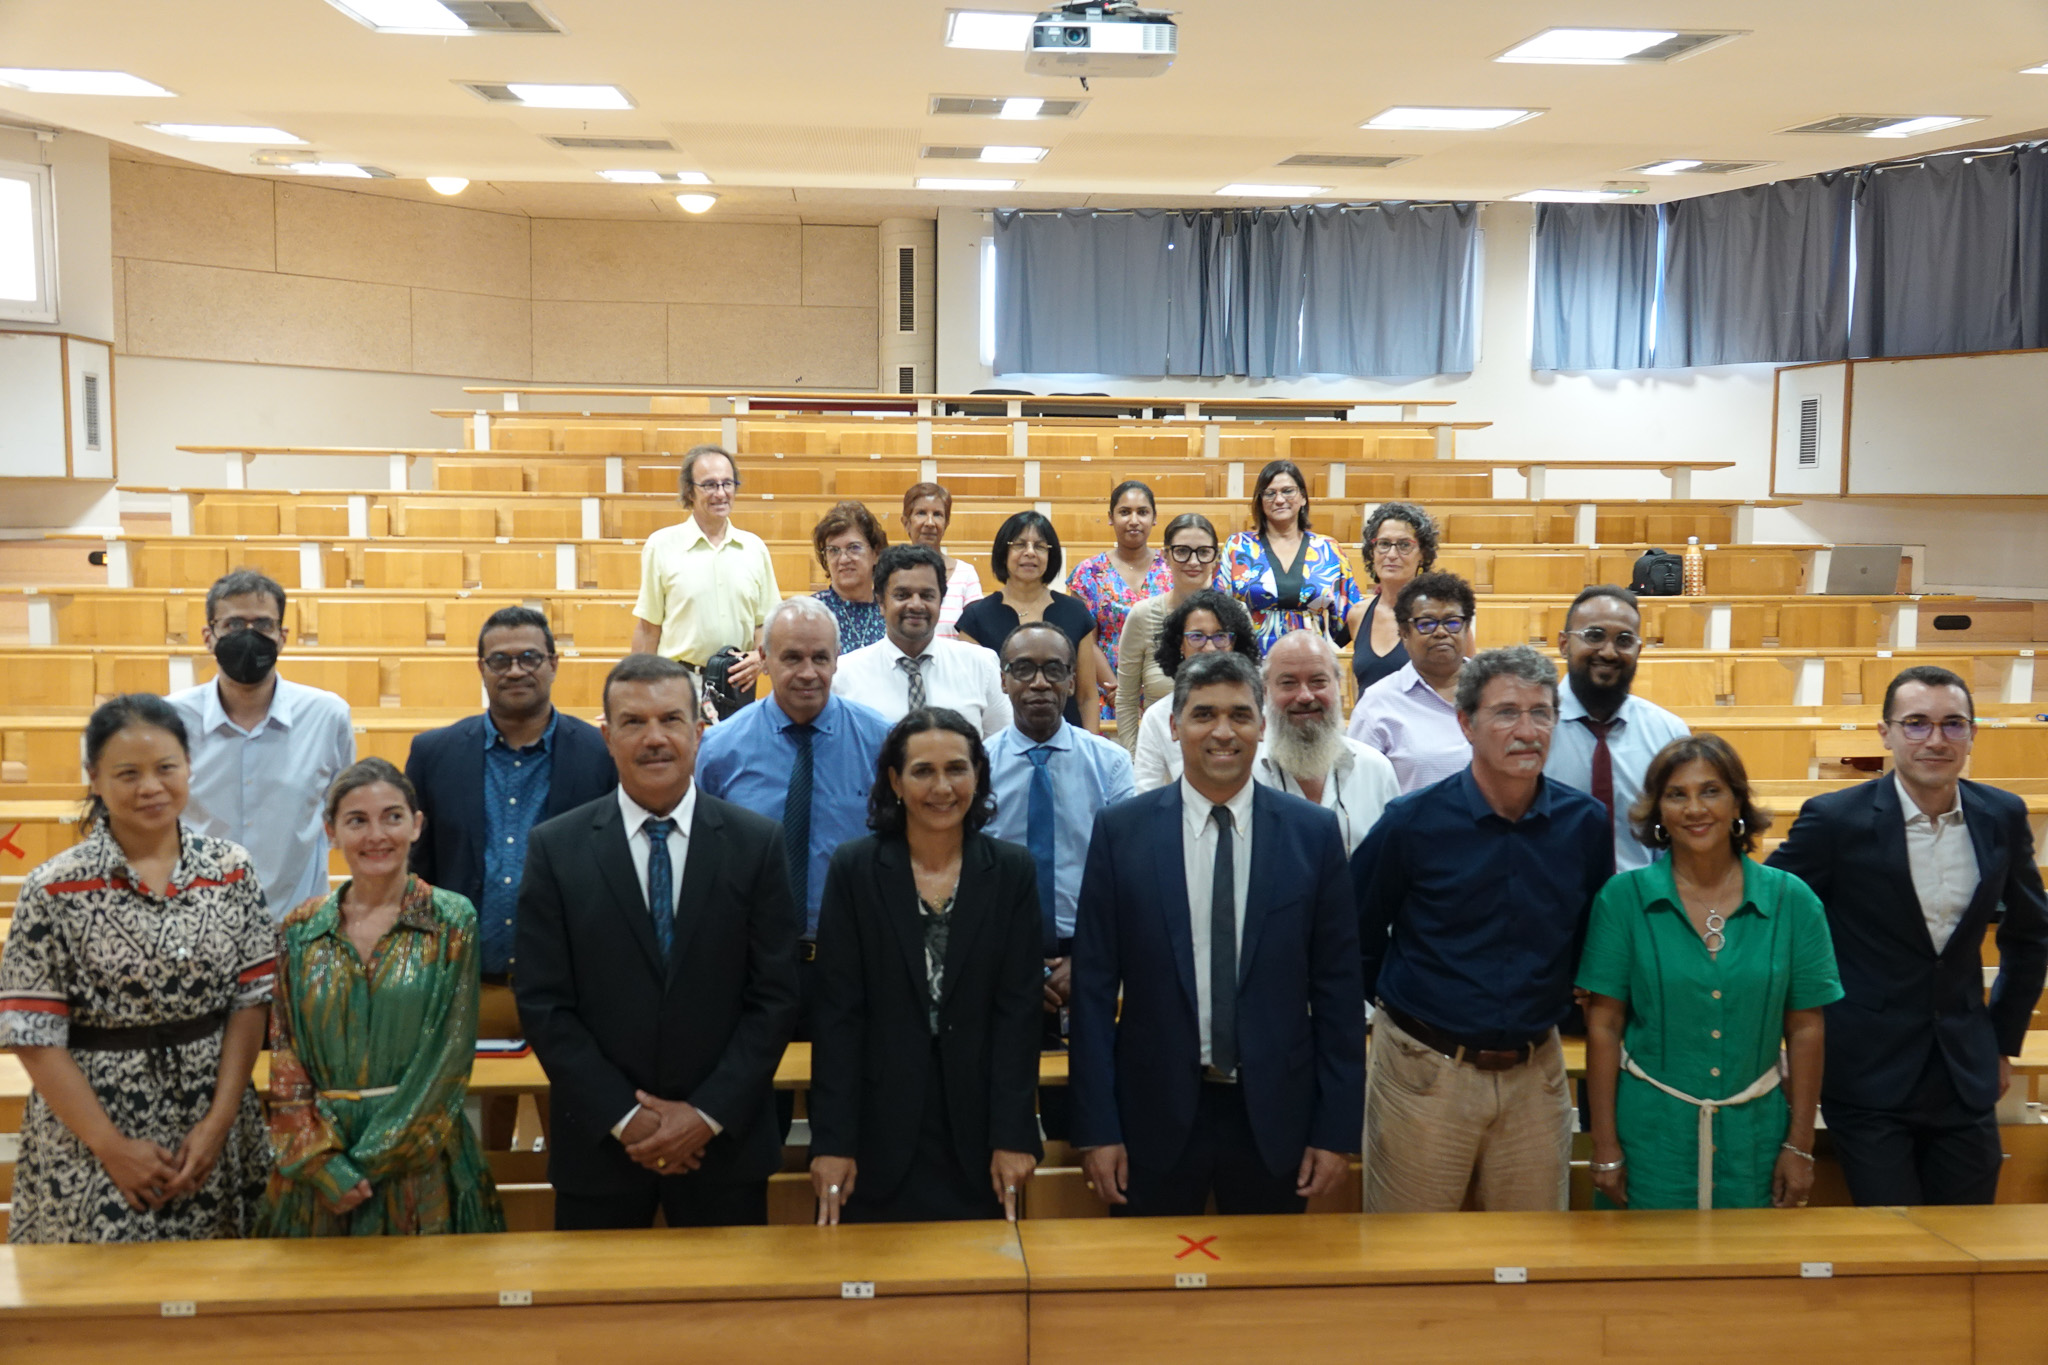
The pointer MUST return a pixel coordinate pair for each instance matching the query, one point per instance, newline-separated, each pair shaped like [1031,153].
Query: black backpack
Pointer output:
[1659,573]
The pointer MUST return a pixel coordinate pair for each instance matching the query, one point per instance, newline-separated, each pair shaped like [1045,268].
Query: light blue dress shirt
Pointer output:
[748,760]
[1644,729]
[265,788]
[1088,772]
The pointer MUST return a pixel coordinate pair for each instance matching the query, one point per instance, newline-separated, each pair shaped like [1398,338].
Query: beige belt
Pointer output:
[377,1094]
[1761,1086]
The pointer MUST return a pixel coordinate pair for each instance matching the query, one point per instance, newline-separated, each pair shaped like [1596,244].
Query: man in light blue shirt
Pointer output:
[1606,736]
[264,750]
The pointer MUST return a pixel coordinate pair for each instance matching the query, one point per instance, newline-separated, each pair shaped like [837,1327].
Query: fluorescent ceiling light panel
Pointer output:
[1013,155]
[657,177]
[1026,106]
[341,169]
[1914,127]
[1567,196]
[2041,70]
[945,182]
[79,82]
[989,30]
[403,16]
[1245,191]
[569,96]
[1668,167]
[1425,118]
[1590,46]
[228,132]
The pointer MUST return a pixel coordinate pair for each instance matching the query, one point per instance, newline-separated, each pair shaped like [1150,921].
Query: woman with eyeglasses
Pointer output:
[927,512]
[1287,576]
[1191,557]
[1209,621]
[1113,582]
[848,540]
[1708,972]
[1411,715]
[1400,542]
[1026,559]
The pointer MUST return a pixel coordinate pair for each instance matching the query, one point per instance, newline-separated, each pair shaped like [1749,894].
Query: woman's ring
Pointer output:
[1009,1189]
[832,1190]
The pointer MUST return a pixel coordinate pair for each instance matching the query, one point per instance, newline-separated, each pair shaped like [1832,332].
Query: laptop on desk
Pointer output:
[1864,570]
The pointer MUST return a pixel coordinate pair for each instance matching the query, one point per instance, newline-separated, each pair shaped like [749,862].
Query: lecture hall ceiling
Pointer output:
[819,107]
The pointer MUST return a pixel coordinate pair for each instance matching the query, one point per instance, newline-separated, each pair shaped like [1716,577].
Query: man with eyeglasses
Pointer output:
[1050,777]
[1411,715]
[263,748]
[1913,868]
[1473,898]
[486,781]
[1606,735]
[706,585]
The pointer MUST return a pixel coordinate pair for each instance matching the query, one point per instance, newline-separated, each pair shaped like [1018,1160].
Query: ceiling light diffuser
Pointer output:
[1013,155]
[1022,107]
[2041,70]
[447,184]
[945,182]
[402,16]
[1424,118]
[1247,191]
[228,132]
[989,30]
[569,96]
[1669,167]
[1567,196]
[1588,46]
[696,203]
[348,170]
[1914,127]
[632,177]
[44,82]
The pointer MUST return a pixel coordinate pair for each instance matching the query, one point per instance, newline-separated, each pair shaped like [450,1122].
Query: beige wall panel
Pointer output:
[599,343]
[201,313]
[166,213]
[471,334]
[349,236]
[831,348]
[120,306]
[758,263]
[840,267]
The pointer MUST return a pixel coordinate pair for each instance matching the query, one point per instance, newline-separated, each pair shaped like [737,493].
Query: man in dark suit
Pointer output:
[657,978]
[485,782]
[1912,867]
[1237,1065]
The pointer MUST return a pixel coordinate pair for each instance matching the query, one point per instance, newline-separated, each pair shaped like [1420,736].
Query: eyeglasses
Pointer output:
[852,551]
[1430,625]
[1024,670]
[1627,641]
[1280,495]
[1394,547]
[1508,717]
[1198,554]
[235,625]
[715,485]
[1200,639]
[1954,729]
[528,660]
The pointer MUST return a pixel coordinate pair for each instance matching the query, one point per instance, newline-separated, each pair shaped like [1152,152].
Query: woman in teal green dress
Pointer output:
[1707,972]
[372,1034]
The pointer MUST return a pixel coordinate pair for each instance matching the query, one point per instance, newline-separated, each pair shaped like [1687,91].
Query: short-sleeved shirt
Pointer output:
[1706,1025]
[704,597]
[963,589]
[860,623]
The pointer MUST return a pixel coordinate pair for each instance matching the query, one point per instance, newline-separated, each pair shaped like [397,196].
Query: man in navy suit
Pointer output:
[485,782]
[1912,868]
[1221,911]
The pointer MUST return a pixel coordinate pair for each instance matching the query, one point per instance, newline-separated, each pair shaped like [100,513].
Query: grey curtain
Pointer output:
[1387,289]
[1079,292]
[1596,286]
[1938,257]
[1757,274]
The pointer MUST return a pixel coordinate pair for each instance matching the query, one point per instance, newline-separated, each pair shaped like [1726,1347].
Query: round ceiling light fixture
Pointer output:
[696,203]
[447,184]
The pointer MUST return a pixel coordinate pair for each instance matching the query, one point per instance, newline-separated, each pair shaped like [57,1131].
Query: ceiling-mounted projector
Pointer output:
[1106,38]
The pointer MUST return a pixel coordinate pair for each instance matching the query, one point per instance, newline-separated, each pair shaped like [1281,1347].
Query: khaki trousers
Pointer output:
[1436,1130]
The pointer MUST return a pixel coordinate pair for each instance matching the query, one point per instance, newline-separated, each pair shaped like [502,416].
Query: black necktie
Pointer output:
[1223,949]
[796,823]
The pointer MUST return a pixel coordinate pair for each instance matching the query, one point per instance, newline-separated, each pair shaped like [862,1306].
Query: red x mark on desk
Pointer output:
[7,844]
[1194,1246]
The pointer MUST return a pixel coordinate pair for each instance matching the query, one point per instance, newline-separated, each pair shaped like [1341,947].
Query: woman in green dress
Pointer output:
[371,1037]
[1699,967]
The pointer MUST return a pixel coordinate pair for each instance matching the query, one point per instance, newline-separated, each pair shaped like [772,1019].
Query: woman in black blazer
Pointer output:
[924,1054]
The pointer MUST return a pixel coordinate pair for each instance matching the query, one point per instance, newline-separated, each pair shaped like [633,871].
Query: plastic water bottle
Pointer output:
[1695,568]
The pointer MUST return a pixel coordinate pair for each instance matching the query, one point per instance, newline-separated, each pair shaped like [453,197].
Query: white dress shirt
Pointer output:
[1944,863]
[1356,789]
[959,675]
[1158,760]
[1198,861]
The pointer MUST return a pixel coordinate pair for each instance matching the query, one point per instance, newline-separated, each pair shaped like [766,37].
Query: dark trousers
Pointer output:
[806,1001]
[684,1200]
[1934,1150]
[1054,1114]
[1222,1159]
[937,1188]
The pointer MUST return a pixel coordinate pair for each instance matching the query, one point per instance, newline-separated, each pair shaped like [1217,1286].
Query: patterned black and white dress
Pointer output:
[88,946]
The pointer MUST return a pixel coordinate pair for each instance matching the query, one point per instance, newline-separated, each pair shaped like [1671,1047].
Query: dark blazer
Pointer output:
[1135,1079]
[1900,996]
[871,1042]
[446,768]
[607,1017]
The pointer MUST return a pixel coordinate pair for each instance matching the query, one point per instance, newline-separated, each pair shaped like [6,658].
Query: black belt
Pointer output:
[495,978]
[1460,1049]
[807,950]
[144,1037]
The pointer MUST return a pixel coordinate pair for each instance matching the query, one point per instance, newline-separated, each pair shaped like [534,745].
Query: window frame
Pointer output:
[41,181]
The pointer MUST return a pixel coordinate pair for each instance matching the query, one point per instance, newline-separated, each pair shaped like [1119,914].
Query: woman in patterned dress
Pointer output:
[848,540]
[1113,582]
[372,1038]
[1287,576]
[133,987]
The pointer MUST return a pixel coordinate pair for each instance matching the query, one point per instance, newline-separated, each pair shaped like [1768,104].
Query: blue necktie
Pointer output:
[1038,838]
[661,895]
[796,823]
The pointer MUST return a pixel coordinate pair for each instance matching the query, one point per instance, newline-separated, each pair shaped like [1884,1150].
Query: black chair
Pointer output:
[987,409]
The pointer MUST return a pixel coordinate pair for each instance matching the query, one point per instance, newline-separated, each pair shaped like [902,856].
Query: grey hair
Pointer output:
[1204,670]
[1323,647]
[686,483]
[1520,662]
[805,606]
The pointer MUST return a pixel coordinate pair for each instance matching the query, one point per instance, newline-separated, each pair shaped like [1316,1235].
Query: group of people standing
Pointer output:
[918,853]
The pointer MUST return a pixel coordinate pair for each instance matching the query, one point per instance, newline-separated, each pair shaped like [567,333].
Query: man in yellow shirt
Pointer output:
[706,584]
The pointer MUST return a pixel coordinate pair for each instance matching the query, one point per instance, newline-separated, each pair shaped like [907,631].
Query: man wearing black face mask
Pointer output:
[264,749]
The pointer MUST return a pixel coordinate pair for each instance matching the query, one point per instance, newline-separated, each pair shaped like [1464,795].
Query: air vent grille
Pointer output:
[1681,45]
[1809,433]
[989,108]
[951,153]
[1362,163]
[906,289]
[906,377]
[1851,125]
[612,144]
[1704,168]
[92,412]
[501,16]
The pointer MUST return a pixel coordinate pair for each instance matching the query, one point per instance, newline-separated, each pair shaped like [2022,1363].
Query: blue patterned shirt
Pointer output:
[515,794]
[860,623]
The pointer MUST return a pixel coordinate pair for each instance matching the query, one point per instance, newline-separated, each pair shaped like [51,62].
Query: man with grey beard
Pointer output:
[1306,751]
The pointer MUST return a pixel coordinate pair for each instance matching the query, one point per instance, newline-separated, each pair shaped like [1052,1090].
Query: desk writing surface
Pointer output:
[2003,1237]
[557,1268]
[1449,1248]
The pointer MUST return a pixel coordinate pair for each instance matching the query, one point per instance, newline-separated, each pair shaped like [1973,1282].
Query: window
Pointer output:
[28,244]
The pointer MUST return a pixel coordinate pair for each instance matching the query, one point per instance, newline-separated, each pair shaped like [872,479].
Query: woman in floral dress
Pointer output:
[1287,576]
[1116,580]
